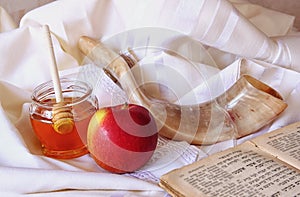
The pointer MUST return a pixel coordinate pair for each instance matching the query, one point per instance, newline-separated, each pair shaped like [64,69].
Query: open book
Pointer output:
[268,165]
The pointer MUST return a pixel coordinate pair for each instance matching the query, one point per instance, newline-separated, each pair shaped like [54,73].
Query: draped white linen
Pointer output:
[239,37]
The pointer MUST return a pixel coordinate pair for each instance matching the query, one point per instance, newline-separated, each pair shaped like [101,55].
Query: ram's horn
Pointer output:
[243,109]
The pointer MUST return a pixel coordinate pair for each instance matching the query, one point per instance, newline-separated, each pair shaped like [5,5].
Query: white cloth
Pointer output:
[7,23]
[234,43]
[215,23]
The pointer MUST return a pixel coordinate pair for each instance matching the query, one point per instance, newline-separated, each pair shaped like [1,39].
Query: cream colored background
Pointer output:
[17,8]
[291,7]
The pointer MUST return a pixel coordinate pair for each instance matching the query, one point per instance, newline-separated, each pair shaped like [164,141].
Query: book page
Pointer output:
[243,170]
[283,143]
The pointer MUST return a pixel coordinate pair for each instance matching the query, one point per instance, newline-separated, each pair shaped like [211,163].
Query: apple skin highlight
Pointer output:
[122,138]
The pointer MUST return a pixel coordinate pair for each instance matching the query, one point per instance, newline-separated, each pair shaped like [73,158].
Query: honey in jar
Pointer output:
[79,101]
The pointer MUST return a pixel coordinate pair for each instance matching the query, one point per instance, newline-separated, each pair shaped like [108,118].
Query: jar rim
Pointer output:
[45,89]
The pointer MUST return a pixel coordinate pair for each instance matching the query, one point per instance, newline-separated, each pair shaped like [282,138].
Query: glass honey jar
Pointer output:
[79,102]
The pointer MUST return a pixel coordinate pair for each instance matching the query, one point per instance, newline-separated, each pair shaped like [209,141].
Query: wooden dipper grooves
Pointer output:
[62,116]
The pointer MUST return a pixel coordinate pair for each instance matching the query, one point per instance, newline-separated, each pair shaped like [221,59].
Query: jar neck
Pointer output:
[73,91]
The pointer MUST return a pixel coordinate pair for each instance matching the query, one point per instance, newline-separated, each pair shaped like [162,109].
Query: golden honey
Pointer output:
[80,101]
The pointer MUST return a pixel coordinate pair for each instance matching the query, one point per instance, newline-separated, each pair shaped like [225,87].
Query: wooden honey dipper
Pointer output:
[62,116]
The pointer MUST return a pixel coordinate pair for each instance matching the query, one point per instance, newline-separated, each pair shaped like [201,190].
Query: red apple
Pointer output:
[122,138]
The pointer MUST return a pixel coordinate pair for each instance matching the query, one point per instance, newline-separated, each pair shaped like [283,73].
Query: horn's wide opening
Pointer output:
[262,86]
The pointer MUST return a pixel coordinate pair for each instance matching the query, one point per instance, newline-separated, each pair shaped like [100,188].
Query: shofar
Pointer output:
[243,109]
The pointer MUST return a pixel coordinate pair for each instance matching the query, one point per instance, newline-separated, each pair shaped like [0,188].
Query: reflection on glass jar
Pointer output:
[79,101]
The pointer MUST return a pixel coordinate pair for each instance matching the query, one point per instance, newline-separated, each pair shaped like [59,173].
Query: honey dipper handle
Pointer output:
[53,66]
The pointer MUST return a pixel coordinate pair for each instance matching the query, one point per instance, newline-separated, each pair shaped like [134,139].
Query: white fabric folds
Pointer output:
[221,39]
